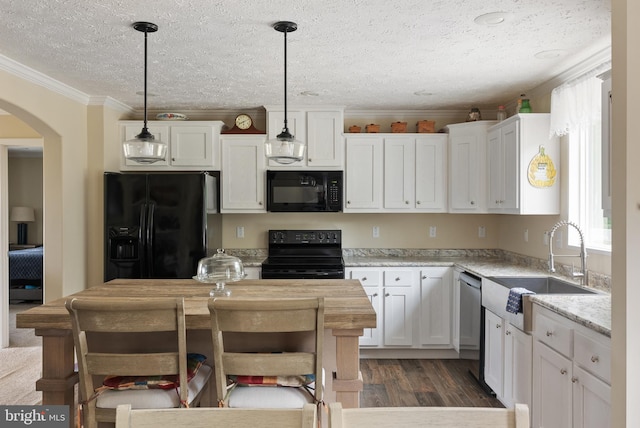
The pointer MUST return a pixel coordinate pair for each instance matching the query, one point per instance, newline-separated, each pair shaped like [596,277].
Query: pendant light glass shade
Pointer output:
[285,149]
[144,148]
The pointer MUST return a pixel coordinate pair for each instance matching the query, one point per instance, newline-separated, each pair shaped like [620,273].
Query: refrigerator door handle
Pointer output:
[149,238]
[143,241]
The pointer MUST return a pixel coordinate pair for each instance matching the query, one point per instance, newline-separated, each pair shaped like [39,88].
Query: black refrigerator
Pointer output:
[155,224]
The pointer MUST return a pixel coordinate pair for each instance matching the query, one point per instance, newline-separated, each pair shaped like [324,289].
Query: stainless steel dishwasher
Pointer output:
[471,323]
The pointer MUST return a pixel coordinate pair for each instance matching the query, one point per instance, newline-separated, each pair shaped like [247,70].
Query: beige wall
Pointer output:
[62,123]
[453,231]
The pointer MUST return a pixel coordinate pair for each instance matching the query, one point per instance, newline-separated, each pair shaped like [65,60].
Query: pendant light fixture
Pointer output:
[285,149]
[144,148]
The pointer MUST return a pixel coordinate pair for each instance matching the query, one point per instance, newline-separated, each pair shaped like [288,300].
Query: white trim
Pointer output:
[111,103]
[40,79]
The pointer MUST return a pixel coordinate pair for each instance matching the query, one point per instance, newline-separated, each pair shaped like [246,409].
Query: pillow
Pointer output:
[194,362]
[294,380]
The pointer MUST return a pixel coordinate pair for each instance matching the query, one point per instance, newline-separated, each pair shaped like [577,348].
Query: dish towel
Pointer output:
[514,303]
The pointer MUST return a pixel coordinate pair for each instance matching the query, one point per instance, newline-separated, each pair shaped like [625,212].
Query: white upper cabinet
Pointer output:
[396,173]
[320,128]
[363,174]
[243,174]
[522,166]
[467,166]
[415,173]
[191,145]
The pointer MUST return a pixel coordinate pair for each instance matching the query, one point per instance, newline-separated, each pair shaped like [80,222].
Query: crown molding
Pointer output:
[596,60]
[40,79]
[111,103]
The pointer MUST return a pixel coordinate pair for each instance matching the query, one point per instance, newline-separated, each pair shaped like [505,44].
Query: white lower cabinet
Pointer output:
[436,289]
[413,306]
[399,307]
[493,351]
[571,374]
[371,280]
[507,356]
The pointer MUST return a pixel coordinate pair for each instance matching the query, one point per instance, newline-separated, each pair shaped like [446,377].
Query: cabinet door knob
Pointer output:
[418,202]
[424,277]
[310,160]
[498,325]
[173,159]
[348,202]
[260,203]
[563,371]
[595,358]
[364,278]
[397,278]
[375,294]
[473,202]
[508,332]
[549,333]
[574,379]
[387,295]
[406,202]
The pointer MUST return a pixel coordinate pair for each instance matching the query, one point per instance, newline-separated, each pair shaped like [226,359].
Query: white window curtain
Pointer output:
[575,105]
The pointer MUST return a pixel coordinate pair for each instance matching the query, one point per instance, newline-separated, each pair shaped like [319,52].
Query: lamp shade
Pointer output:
[22,214]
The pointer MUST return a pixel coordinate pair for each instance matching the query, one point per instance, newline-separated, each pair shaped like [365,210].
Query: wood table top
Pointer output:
[346,303]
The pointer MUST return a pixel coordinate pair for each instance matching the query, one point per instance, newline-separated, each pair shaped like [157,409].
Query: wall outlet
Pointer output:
[240,232]
[432,231]
[376,231]
[545,238]
[526,235]
[482,232]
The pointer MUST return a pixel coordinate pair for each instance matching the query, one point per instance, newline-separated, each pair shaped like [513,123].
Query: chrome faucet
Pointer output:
[583,252]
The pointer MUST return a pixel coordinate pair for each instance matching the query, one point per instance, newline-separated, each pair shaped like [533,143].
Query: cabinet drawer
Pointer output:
[367,278]
[554,333]
[398,277]
[592,355]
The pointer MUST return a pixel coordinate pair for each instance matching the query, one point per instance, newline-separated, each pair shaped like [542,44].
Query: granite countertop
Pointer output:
[592,311]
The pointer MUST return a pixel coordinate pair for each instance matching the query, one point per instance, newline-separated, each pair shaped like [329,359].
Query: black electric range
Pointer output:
[304,254]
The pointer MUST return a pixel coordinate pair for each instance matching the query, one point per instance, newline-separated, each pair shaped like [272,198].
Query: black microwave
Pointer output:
[304,191]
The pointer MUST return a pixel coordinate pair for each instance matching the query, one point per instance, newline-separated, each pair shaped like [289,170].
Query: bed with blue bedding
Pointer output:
[25,274]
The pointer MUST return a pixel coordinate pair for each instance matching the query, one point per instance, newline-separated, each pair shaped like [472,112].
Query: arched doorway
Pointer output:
[52,208]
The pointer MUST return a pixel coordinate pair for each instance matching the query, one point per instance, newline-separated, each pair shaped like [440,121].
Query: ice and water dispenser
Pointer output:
[123,243]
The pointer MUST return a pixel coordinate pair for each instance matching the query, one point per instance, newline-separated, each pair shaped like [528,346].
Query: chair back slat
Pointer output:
[167,363]
[217,417]
[269,364]
[442,417]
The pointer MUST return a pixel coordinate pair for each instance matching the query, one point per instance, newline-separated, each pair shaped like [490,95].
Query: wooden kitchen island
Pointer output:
[347,312]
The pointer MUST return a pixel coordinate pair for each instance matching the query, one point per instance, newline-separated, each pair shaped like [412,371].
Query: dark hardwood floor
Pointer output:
[399,383]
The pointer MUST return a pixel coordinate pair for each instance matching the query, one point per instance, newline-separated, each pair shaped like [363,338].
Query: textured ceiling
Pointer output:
[362,54]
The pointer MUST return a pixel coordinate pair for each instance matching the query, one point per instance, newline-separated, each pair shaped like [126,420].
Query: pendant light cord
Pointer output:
[286,126]
[145,82]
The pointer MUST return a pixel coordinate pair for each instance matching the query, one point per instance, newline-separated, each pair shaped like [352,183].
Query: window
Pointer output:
[576,111]
[585,189]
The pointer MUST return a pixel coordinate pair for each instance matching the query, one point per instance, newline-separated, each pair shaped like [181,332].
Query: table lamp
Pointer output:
[21,215]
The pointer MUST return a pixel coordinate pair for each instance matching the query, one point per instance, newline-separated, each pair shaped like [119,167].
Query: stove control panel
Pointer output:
[305,237]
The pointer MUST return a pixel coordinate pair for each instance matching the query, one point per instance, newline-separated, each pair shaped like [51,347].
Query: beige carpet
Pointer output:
[21,363]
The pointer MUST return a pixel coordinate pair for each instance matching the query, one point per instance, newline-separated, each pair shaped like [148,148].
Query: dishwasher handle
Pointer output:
[471,280]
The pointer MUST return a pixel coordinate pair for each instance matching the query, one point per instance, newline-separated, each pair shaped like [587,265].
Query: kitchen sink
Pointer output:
[542,284]
[495,293]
